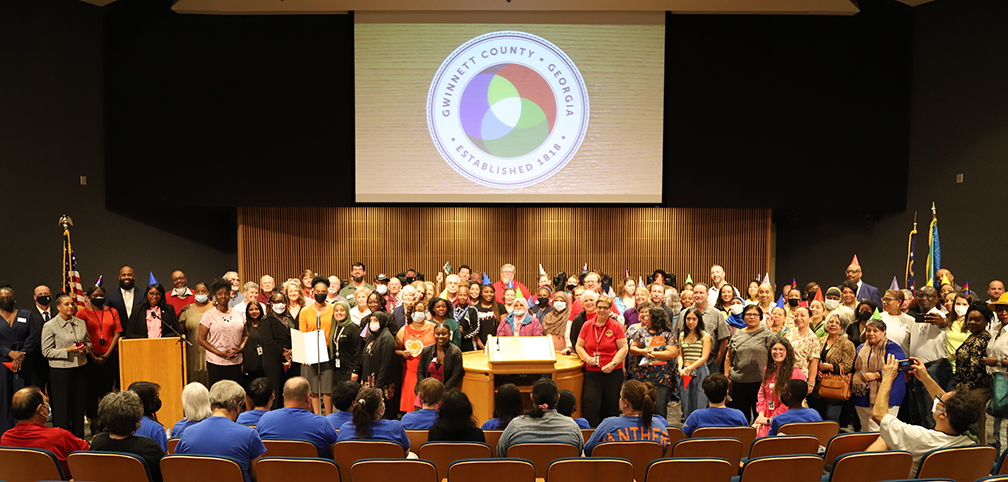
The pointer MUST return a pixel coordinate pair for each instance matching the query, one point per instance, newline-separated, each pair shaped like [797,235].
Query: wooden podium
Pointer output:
[158,360]
[517,355]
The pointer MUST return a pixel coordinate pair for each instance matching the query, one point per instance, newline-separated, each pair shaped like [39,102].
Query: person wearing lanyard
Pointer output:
[602,346]
[66,343]
[345,345]
[104,326]
[318,316]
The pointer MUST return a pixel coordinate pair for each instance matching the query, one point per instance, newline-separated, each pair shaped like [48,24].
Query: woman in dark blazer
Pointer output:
[274,332]
[441,360]
[380,367]
[154,307]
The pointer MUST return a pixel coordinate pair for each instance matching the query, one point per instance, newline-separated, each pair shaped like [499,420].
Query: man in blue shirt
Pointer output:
[261,394]
[296,422]
[715,387]
[344,395]
[219,435]
[792,395]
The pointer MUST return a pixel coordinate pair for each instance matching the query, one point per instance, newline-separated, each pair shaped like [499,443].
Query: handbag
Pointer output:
[836,386]
[999,399]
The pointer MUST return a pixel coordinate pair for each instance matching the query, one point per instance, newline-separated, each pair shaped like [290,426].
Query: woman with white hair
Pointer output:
[219,435]
[195,407]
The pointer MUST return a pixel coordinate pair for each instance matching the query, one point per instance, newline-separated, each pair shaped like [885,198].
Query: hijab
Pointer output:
[346,309]
[555,322]
[733,319]
[514,321]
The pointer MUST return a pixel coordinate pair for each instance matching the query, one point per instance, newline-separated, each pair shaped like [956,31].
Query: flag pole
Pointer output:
[66,223]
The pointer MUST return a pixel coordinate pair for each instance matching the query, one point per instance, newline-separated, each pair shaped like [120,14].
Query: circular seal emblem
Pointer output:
[507,109]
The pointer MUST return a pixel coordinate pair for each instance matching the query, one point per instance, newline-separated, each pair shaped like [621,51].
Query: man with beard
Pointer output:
[125,299]
[928,344]
[357,273]
[180,296]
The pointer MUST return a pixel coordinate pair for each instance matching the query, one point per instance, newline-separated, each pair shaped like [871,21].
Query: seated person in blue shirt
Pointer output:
[430,391]
[567,405]
[149,426]
[715,388]
[368,424]
[344,394]
[508,404]
[261,394]
[195,407]
[638,422]
[296,421]
[793,395]
[219,435]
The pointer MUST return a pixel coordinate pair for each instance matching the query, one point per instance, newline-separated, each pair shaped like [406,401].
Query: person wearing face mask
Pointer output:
[382,287]
[276,339]
[794,301]
[410,341]
[832,303]
[42,312]
[957,332]
[555,322]
[381,369]
[16,340]
[30,407]
[103,326]
[67,345]
[180,296]
[319,316]
[189,320]
[856,329]
[520,322]
[734,316]
[539,305]
[150,396]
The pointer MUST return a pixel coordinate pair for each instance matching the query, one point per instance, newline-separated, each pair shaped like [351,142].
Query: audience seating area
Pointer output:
[789,458]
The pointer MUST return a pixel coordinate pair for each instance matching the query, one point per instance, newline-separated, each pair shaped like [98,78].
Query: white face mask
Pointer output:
[961,310]
[832,304]
[279,308]
[559,305]
[201,299]
[737,309]
[519,313]
[382,289]
[417,316]
[374,326]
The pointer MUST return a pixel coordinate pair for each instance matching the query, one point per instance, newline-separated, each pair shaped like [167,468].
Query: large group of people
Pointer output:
[730,357]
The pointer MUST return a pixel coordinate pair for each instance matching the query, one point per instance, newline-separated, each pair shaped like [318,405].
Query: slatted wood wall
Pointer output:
[284,241]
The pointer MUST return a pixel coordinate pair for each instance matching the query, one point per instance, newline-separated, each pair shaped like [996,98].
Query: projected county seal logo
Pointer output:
[507,109]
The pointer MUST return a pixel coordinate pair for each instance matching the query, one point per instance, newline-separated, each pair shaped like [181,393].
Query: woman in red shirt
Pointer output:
[602,346]
[104,329]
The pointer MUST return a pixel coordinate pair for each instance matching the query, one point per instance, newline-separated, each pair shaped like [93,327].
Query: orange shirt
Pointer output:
[307,320]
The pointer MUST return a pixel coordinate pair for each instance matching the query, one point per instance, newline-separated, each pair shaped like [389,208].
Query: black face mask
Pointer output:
[320,298]
[157,404]
[98,301]
[863,316]
[43,300]
[543,301]
[571,287]
[410,280]
[793,302]
[7,304]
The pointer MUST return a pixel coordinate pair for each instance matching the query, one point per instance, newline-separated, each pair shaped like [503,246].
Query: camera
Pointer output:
[905,365]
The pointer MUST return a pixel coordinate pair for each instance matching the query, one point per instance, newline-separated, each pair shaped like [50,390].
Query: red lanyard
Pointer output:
[598,335]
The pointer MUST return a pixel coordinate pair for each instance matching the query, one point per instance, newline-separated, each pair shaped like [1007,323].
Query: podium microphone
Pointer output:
[189,343]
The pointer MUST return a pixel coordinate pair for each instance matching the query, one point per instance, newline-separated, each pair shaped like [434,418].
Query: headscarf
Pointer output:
[733,319]
[869,359]
[514,321]
[555,322]
[346,309]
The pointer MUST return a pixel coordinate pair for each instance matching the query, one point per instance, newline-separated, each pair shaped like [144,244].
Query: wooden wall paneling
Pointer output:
[284,241]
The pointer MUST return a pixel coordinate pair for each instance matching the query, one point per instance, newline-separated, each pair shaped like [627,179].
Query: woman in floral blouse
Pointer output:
[971,370]
[806,345]
[654,351]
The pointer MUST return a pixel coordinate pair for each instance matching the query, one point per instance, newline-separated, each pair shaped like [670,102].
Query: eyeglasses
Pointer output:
[886,300]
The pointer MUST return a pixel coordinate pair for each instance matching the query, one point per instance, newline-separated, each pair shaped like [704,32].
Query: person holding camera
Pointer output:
[953,413]
[929,344]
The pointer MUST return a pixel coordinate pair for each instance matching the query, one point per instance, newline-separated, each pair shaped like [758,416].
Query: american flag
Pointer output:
[71,277]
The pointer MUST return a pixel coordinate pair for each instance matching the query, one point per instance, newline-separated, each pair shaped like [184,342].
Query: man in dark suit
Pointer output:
[42,313]
[865,291]
[125,298]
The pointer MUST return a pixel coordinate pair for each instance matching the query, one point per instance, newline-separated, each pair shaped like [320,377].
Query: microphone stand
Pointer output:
[189,343]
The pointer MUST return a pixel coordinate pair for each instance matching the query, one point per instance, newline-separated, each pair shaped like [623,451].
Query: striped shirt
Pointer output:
[691,351]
